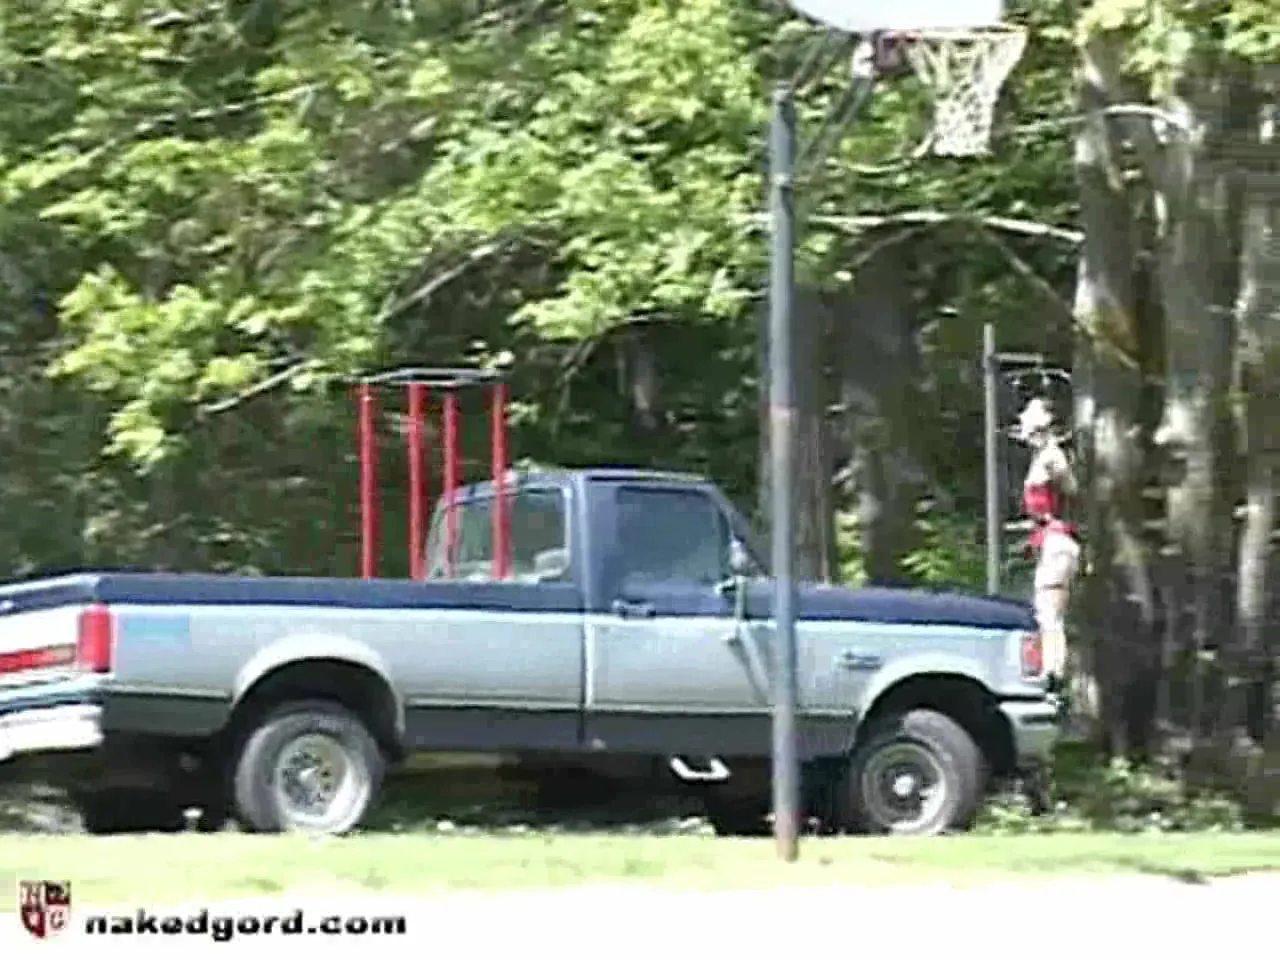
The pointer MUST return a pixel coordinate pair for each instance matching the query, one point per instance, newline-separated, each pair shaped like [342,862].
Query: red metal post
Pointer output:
[498,464]
[450,476]
[417,461]
[367,444]
[427,503]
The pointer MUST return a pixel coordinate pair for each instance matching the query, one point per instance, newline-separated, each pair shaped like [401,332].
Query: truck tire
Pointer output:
[917,774]
[308,767]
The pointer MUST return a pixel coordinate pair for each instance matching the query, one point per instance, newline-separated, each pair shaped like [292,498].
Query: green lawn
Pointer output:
[159,869]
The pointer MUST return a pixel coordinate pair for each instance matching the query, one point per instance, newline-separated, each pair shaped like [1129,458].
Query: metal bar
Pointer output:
[450,478]
[854,97]
[1019,359]
[440,377]
[427,503]
[368,450]
[417,464]
[991,452]
[819,58]
[498,466]
[782,428]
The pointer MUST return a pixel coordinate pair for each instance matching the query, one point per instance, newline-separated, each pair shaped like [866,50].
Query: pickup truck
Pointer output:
[635,621]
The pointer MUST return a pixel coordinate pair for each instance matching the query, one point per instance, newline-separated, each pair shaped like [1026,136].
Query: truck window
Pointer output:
[539,544]
[671,535]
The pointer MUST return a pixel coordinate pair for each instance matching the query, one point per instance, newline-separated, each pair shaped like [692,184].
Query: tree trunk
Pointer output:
[816,553]
[815,544]
[1119,595]
[879,369]
[1201,200]
[1259,390]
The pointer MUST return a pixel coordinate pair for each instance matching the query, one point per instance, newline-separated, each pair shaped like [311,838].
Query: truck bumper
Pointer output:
[1034,724]
[57,717]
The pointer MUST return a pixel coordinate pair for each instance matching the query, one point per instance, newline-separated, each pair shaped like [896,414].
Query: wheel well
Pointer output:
[961,698]
[352,685]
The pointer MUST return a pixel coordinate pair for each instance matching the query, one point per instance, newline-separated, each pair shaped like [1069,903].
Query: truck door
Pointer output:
[666,669]
[497,664]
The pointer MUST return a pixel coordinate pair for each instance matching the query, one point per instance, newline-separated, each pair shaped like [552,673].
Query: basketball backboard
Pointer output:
[868,16]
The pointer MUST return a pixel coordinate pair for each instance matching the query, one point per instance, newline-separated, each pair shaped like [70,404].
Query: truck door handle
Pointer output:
[633,609]
[853,660]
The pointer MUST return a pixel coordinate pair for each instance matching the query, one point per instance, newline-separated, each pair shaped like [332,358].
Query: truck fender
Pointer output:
[920,665]
[313,646]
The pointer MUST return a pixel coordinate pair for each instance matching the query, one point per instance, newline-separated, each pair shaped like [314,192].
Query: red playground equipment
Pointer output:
[419,384]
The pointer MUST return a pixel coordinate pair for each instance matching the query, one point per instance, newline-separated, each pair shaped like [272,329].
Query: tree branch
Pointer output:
[1104,71]
[991,228]
[1029,273]
[277,379]
[928,218]
[420,295]
[433,286]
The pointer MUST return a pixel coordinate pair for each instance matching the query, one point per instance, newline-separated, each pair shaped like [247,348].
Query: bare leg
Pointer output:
[1059,558]
[1051,610]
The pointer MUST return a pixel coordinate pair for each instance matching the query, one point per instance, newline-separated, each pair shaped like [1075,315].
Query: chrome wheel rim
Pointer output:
[317,784]
[904,788]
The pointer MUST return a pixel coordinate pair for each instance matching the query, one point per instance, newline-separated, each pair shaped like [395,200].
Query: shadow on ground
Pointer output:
[447,800]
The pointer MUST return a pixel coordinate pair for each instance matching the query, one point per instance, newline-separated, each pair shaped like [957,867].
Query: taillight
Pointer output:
[1032,655]
[42,658]
[95,639]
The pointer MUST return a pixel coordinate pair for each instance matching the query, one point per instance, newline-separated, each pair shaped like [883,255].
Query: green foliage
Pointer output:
[1090,794]
[200,203]
[1168,39]
[951,553]
[206,201]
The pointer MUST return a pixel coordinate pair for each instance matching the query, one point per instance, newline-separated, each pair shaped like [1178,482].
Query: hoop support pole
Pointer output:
[782,445]
[991,453]
[417,462]
[368,449]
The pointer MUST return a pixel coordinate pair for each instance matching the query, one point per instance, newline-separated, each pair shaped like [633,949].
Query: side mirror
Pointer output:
[735,586]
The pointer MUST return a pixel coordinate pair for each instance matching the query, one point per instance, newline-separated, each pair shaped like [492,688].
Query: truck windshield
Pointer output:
[539,544]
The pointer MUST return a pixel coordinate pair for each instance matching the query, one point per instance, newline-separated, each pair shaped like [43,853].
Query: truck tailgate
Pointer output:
[55,652]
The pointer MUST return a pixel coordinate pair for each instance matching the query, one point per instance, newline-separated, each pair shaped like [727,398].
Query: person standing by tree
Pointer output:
[1054,545]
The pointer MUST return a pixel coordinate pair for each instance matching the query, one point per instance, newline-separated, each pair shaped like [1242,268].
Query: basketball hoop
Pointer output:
[964,71]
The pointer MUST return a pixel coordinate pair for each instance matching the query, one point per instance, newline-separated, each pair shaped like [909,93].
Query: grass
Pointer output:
[184,868]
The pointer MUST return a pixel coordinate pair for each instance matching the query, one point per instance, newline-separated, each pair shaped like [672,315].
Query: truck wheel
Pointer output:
[915,774]
[310,767]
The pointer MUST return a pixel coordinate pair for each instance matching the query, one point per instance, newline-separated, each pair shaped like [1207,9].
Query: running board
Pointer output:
[713,770]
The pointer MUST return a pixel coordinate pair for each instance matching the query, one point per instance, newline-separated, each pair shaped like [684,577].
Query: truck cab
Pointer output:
[676,527]
[675,664]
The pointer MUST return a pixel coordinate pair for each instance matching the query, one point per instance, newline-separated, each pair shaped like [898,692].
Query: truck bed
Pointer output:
[816,603]
[224,590]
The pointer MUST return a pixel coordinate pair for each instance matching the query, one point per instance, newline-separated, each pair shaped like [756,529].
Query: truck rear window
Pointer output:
[539,544]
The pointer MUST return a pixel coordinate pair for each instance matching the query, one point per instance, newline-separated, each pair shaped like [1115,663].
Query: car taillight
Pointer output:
[41,658]
[1032,655]
[95,639]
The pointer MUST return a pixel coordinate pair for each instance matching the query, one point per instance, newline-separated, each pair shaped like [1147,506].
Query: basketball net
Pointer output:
[964,71]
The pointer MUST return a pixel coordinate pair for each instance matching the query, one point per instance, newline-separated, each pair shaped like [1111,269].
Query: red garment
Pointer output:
[1043,504]
[1040,500]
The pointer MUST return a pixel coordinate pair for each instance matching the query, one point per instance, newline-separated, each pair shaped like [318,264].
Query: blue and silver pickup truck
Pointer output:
[634,622]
